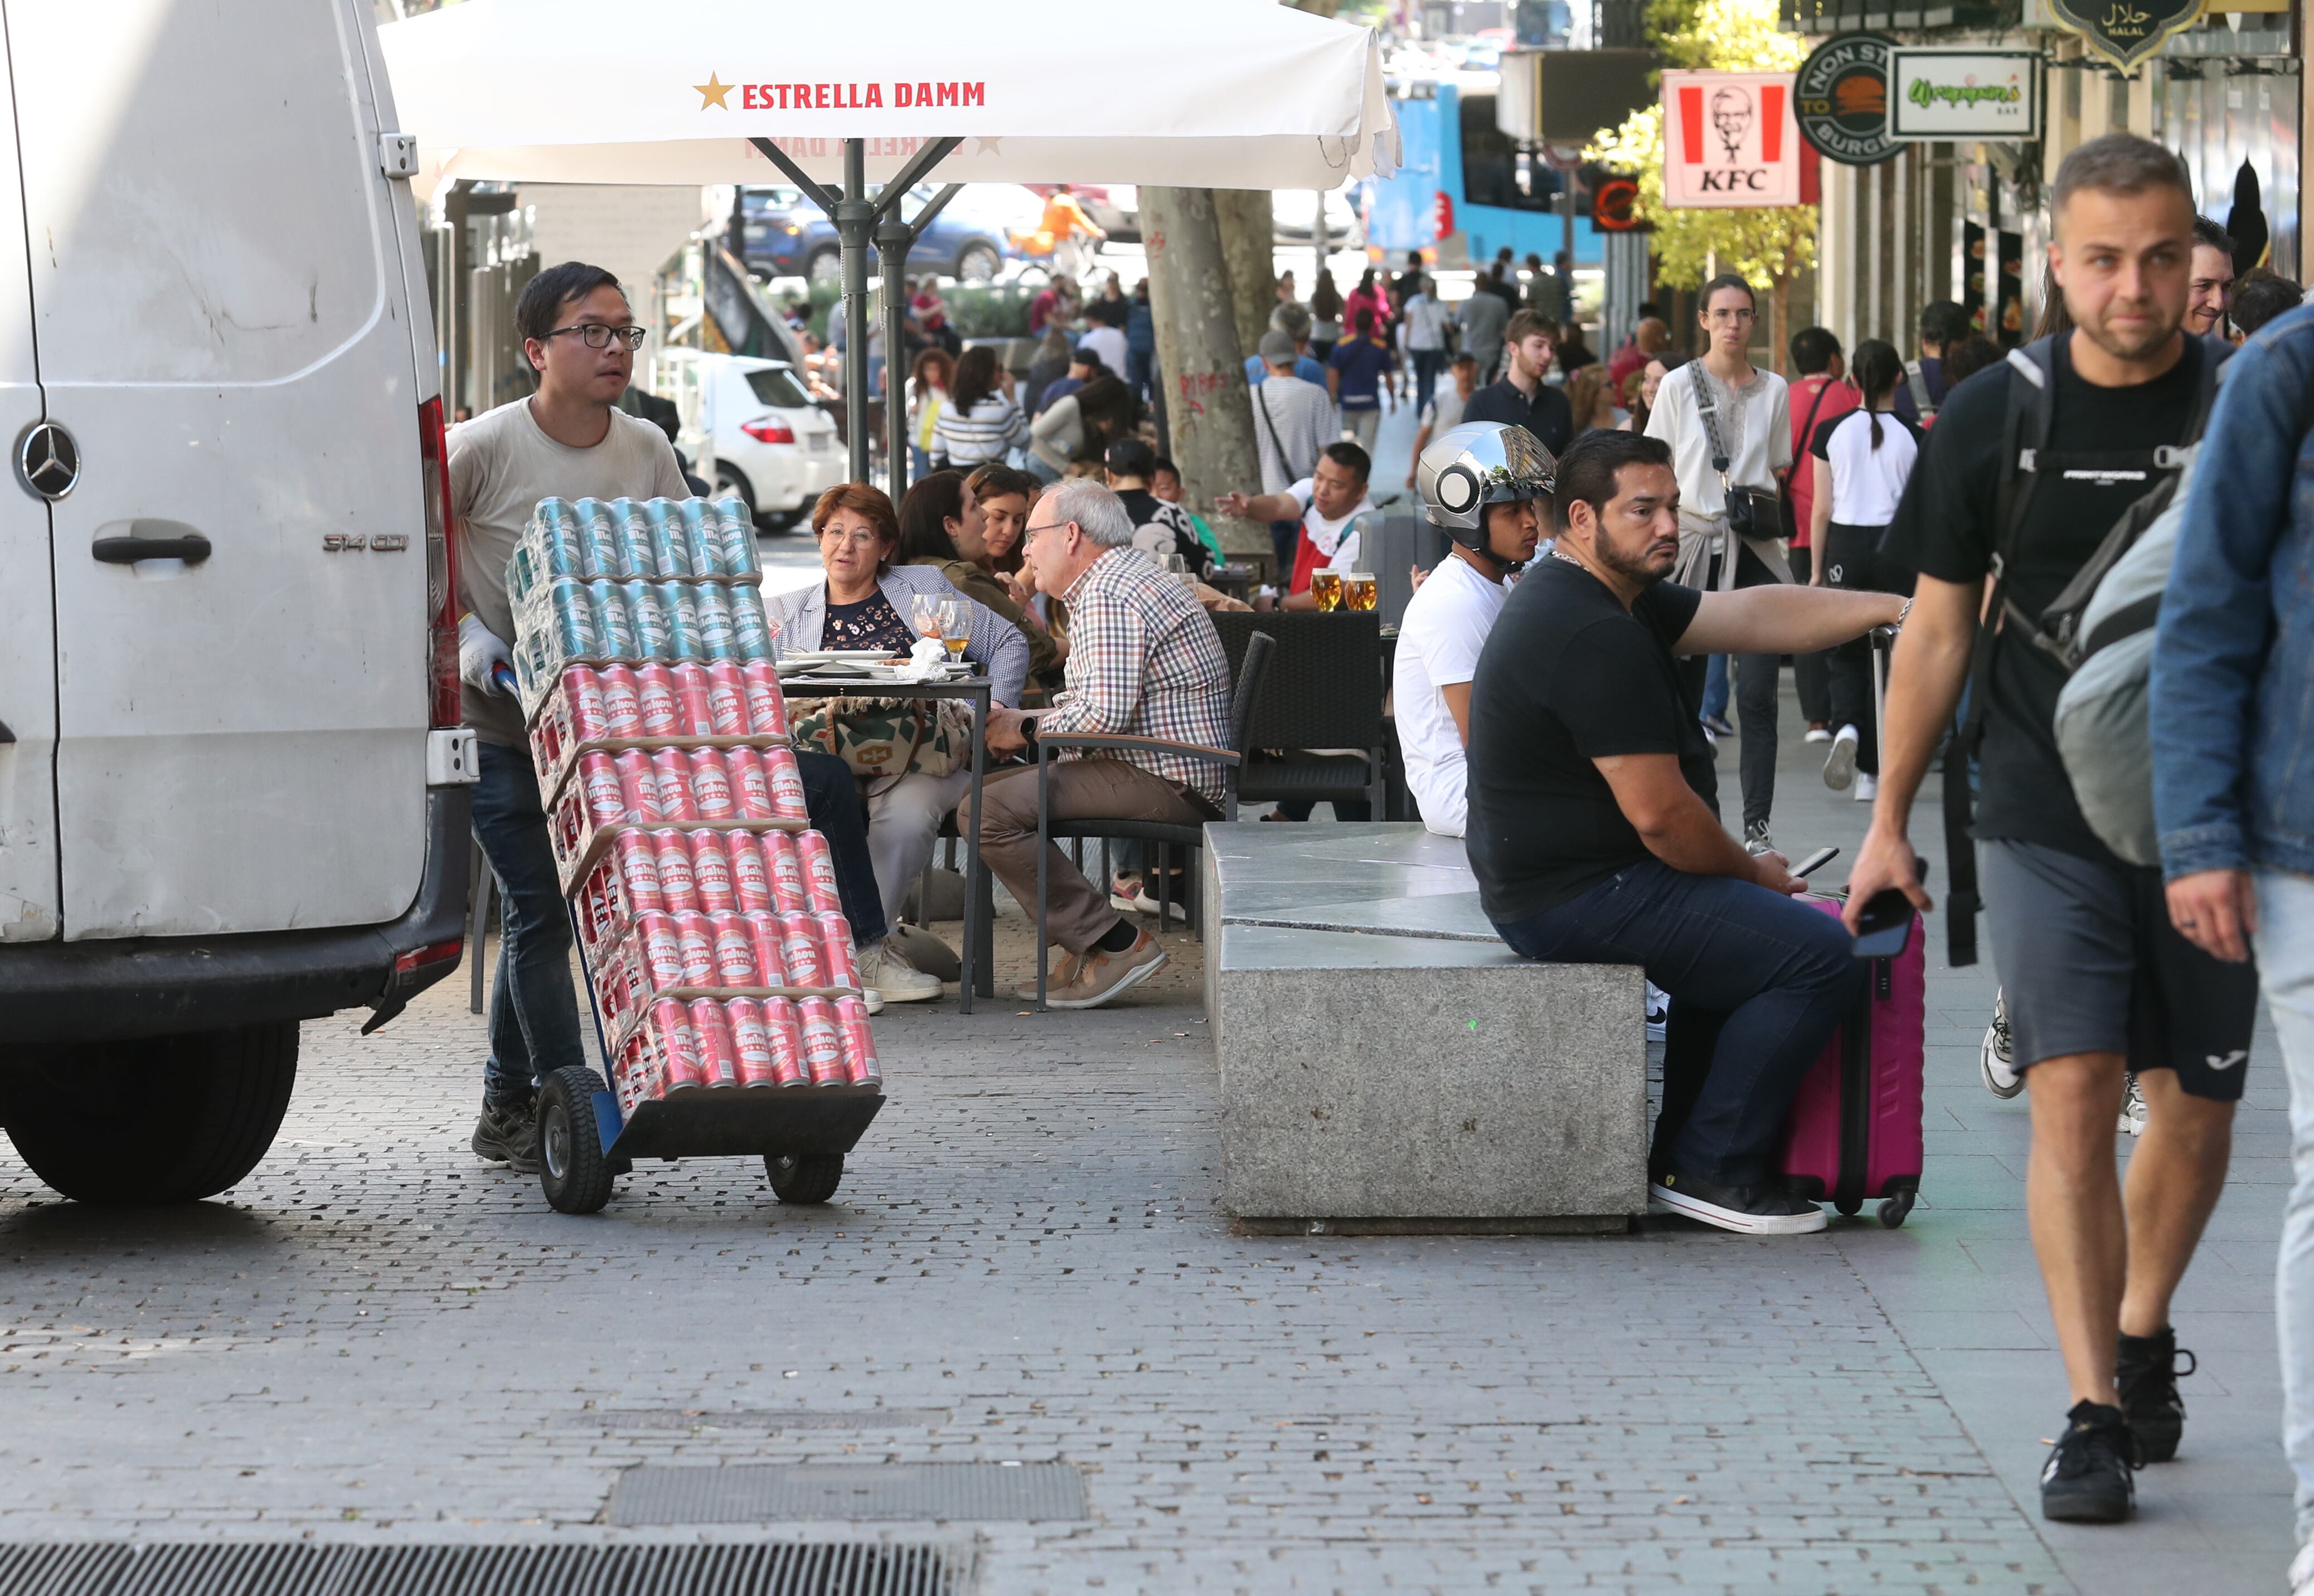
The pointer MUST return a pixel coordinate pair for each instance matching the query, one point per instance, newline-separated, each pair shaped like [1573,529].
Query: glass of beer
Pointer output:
[1325,588]
[1360,591]
[955,626]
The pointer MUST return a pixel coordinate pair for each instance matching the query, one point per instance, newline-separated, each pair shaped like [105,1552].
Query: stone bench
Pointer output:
[1387,1065]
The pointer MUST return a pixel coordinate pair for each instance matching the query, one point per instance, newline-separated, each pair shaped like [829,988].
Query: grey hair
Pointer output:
[1098,514]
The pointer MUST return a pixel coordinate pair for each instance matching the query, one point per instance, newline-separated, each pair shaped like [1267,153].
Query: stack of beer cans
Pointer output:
[706,905]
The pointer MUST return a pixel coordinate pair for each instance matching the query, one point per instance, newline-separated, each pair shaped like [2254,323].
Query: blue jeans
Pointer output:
[1759,985]
[534,1019]
[832,801]
[1140,371]
[1715,688]
[1427,364]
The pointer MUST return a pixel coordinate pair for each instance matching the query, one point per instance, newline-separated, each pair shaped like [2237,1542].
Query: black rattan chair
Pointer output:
[1250,668]
[1324,690]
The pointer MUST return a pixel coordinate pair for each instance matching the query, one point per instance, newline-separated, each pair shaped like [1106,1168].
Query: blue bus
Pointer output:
[1465,190]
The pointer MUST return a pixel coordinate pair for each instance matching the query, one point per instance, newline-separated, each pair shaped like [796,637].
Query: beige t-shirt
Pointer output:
[500,466]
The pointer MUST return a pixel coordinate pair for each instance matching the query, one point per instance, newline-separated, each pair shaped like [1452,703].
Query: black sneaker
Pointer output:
[508,1136]
[1748,1210]
[2147,1372]
[2087,1478]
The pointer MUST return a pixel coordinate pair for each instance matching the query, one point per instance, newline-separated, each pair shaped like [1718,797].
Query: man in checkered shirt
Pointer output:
[1143,662]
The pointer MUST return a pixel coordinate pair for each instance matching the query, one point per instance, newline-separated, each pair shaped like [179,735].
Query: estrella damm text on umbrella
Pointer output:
[715,94]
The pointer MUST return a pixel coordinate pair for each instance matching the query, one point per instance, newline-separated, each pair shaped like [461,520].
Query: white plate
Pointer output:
[819,655]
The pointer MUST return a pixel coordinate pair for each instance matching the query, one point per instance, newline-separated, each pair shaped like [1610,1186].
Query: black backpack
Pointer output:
[2026,458]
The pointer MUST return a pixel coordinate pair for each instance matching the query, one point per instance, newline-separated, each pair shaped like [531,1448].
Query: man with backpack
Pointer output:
[2028,467]
[2231,660]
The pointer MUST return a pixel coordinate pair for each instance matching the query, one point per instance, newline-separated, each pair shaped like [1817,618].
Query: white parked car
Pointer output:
[772,446]
[233,787]
[1293,211]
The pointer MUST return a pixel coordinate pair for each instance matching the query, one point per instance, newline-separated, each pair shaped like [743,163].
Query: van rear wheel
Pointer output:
[159,1119]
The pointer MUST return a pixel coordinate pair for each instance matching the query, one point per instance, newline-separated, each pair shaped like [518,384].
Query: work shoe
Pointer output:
[2147,1373]
[1756,839]
[1087,980]
[891,977]
[2133,1111]
[1840,765]
[508,1136]
[2087,1478]
[1747,1210]
[1993,1060]
[1817,732]
[1866,788]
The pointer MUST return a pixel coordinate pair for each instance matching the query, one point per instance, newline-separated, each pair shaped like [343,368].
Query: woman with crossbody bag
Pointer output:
[1728,425]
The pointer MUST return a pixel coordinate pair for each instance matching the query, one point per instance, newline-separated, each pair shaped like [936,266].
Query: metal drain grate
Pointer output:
[252,1569]
[855,1492]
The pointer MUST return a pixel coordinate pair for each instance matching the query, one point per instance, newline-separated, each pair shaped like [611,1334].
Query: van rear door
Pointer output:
[242,712]
[28,642]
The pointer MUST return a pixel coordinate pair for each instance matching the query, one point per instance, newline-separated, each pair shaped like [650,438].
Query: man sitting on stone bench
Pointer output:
[1594,824]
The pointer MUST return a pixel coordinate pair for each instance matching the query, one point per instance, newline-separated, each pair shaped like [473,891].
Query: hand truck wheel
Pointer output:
[809,1177]
[571,1168]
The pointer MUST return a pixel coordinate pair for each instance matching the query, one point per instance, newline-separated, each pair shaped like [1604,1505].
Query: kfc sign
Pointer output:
[1730,140]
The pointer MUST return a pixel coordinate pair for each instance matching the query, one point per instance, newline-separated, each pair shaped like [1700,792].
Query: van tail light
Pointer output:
[1441,213]
[768,429]
[441,568]
[419,958]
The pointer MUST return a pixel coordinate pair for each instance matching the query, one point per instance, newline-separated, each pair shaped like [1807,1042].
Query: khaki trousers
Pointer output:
[1077,915]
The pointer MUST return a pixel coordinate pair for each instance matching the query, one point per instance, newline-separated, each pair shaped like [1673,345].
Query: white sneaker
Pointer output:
[2133,1110]
[1840,765]
[1994,1060]
[1658,1011]
[2301,1571]
[1817,734]
[1867,789]
[891,977]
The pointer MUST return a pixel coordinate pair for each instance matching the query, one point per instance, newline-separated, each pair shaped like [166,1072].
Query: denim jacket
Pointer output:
[2233,662]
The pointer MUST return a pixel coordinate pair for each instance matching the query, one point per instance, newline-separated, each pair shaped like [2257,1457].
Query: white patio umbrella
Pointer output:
[1217,93]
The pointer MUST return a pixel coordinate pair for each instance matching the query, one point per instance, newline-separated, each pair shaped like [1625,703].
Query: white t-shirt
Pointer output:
[1446,625]
[1755,428]
[1336,540]
[1867,482]
[1445,411]
[1108,343]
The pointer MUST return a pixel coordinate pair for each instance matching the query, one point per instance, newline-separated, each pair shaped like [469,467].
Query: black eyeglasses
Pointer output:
[594,335]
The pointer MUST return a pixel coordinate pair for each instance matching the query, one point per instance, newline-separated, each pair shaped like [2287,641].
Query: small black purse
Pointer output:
[1752,512]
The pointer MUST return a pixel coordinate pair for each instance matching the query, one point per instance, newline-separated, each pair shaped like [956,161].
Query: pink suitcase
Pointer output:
[1854,1131]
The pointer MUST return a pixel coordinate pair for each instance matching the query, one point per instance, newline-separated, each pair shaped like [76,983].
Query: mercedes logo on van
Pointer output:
[48,461]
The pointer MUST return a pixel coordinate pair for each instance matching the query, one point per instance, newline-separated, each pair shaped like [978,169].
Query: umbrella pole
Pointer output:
[896,241]
[855,220]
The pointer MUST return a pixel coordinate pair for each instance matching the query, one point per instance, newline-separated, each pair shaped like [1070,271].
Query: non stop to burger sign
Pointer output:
[1730,140]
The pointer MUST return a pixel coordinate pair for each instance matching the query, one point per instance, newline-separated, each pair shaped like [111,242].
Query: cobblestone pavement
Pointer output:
[375,1337]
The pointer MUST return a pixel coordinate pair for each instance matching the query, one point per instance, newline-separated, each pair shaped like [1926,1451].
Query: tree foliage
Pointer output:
[1767,246]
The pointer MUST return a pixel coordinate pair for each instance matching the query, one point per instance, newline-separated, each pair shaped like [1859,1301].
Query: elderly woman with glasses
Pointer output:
[865,603]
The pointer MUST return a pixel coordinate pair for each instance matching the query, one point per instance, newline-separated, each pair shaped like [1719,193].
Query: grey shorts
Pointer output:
[2090,963]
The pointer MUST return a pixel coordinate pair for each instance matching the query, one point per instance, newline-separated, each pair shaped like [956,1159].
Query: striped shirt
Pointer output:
[1143,662]
[971,438]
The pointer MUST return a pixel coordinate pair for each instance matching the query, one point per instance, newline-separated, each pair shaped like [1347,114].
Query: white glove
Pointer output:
[480,651]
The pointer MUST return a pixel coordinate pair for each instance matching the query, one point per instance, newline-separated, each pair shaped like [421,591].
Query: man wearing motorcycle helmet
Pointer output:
[1488,487]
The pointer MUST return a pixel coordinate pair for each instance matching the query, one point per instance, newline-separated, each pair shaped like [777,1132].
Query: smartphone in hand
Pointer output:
[1886,923]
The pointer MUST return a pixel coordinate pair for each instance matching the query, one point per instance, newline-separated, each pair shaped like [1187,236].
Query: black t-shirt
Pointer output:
[1567,676]
[1944,528]
[1176,534]
[1548,415]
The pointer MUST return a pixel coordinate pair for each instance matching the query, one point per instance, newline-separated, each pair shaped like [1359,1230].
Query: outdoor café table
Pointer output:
[978,956]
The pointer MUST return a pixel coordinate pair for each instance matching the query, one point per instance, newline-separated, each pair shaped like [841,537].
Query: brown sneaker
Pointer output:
[1098,976]
[1057,977]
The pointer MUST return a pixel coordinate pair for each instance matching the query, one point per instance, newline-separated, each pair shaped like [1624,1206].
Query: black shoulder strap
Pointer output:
[1276,442]
[2024,437]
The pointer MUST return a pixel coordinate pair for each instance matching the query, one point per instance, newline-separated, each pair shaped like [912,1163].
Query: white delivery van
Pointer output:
[232,779]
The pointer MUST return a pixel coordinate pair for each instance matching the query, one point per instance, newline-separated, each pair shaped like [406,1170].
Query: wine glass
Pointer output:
[925,613]
[955,626]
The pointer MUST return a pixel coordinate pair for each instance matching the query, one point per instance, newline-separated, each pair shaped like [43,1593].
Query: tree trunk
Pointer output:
[1207,406]
[1248,249]
[1780,335]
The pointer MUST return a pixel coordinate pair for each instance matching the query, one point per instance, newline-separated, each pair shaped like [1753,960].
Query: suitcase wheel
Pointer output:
[1847,1206]
[1894,1208]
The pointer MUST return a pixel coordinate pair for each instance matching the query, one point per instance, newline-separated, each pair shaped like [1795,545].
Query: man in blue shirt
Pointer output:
[1360,362]
[1293,321]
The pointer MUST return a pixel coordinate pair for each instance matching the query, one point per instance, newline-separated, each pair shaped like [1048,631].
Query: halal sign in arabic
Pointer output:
[1842,98]
[2127,31]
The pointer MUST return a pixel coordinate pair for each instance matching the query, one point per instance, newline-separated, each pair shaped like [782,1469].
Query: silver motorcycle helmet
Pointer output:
[1470,467]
